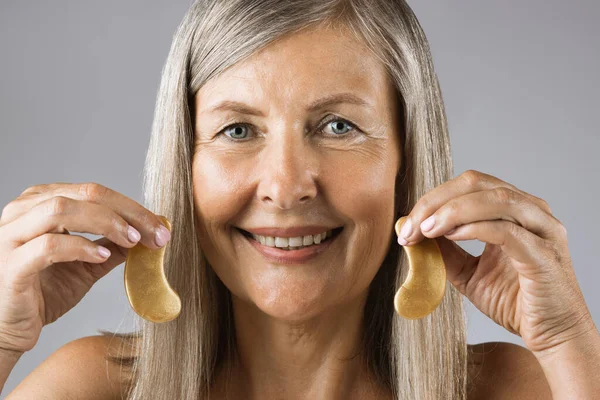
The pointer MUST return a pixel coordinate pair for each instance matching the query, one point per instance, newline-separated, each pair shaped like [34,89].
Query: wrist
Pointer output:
[10,355]
[586,340]
[8,360]
[571,367]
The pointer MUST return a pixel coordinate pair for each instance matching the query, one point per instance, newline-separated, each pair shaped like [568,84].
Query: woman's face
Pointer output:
[288,162]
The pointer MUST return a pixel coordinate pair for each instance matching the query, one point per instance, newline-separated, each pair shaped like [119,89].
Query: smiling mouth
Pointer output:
[334,233]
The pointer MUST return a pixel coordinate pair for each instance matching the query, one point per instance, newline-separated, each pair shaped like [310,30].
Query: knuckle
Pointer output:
[424,203]
[119,224]
[452,208]
[561,229]
[8,210]
[545,206]
[33,189]
[58,205]
[92,191]
[148,220]
[514,230]
[553,252]
[49,244]
[541,203]
[506,195]
[472,177]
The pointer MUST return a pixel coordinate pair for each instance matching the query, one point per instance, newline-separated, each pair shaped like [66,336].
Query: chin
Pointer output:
[292,301]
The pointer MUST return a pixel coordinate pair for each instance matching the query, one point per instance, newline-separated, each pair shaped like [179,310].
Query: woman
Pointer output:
[287,119]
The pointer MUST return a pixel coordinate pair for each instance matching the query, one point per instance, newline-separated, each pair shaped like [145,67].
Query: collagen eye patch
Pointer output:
[425,284]
[146,286]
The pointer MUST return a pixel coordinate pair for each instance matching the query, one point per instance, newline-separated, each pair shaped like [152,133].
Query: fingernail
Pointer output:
[428,223]
[104,252]
[162,236]
[402,241]
[406,229]
[133,235]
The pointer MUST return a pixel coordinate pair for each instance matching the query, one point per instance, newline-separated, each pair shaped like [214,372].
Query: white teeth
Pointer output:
[307,240]
[294,242]
[281,242]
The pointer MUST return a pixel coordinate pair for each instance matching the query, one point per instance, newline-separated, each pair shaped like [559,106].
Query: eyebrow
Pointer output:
[338,98]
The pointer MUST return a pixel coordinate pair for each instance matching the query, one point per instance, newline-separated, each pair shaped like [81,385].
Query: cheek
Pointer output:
[217,184]
[361,186]
[218,187]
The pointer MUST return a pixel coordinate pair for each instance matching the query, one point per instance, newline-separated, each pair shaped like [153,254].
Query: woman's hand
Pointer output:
[44,270]
[524,279]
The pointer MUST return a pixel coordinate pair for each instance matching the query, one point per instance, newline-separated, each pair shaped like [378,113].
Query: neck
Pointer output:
[318,358]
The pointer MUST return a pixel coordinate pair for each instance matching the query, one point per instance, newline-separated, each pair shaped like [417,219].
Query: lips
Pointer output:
[334,232]
[302,255]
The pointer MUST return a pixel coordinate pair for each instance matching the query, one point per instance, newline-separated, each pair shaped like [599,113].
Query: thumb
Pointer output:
[460,264]
[118,255]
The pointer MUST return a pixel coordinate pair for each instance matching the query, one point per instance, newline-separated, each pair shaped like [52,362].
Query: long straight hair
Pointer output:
[415,359]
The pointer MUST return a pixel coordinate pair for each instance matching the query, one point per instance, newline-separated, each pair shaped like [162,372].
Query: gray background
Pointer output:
[78,81]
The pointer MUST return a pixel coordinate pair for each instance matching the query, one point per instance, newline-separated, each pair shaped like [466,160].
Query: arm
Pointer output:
[572,368]
[501,371]
[77,370]
[8,360]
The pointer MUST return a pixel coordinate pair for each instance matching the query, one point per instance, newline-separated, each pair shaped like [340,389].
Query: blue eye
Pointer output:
[237,129]
[337,125]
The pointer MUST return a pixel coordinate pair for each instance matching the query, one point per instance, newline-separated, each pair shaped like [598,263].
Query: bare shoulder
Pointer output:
[501,370]
[78,369]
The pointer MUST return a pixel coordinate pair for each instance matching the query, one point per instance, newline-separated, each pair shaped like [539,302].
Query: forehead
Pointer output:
[305,65]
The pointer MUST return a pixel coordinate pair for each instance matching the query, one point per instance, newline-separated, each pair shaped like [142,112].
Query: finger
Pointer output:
[154,233]
[486,182]
[32,257]
[60,214]
[16,208]
[24,202]
[118,256]
[499,203]
[146,222]
[460,264]
[11,213]
[468,182]
[532,254]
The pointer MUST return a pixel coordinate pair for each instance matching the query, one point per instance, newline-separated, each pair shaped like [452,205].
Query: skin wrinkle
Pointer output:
[298,327]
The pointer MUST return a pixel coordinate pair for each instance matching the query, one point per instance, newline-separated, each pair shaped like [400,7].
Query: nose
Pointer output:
[287,176]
